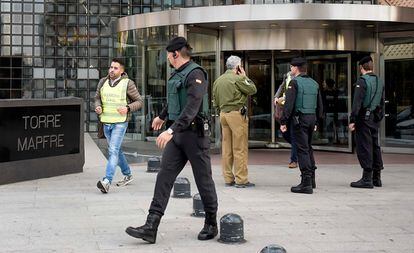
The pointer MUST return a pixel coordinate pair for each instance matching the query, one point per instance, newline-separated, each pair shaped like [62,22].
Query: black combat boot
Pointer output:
[365,181]
[305,185]
[376,178]
[147,232]
[209,230]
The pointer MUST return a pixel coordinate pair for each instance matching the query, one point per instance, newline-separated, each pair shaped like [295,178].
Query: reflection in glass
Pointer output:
[399,107]
[332,77]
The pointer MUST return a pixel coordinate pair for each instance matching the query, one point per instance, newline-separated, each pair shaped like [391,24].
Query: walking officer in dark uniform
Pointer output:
[367,112]
[302,108]
[186,139]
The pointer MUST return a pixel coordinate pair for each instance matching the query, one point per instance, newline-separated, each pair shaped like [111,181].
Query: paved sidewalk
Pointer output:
[68,213]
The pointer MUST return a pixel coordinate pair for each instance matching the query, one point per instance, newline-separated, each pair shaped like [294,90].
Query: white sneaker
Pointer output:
[125,181]
[103,185]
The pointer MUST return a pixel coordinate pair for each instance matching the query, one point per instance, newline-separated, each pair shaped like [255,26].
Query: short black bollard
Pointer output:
[231,229]
[198,207]
[273,248]
[182,188]
[154,164]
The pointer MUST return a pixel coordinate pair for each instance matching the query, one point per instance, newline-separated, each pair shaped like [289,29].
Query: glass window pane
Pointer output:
[50,94]
[104,52]
[16,29]
[83,51]
[37,29]
[5,18]
[49,63]
[17,7]
[5,7]
[61,8]
[16,18]
[38,94]
[72,8]
[16,50]
[71,84]
[6,29]
[50,84]
[39,8]
[83,73]
[115,10]
[60,84]
[27,40]
[104,9]
[93,52]
[83,62]
[37,62]
[28,51]
[82,20]
[16,40]
[94,41]
[50,73]
[72,19]
[83,84]
[27,19]
[38,84]
[27,29]
[5,39]
[37,51]
[93,31]
[28,7]
[5,50]
[94,9]
[136,10]
[38,19]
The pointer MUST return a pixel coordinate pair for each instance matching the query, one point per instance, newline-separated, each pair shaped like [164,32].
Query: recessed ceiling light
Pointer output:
[325,24]
[285,51]
[370,26]
[274,25]
[222,26]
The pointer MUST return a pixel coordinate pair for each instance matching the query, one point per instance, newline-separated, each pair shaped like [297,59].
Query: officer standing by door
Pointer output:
[187,139]
[303,106]
[367,113]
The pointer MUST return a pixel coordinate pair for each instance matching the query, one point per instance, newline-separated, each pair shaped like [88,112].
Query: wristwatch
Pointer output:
[170,131]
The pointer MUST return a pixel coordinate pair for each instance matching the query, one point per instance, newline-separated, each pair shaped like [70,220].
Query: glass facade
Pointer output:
[58,48]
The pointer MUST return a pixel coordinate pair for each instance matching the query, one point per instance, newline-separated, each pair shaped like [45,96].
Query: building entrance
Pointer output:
[333,74]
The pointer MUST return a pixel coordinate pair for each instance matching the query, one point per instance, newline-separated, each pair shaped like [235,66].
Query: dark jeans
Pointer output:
[289,136]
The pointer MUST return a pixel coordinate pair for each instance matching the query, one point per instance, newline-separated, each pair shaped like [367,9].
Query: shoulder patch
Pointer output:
[198,81]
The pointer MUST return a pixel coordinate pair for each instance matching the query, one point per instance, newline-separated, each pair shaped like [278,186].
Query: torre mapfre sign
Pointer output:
[41,131]
[40,138]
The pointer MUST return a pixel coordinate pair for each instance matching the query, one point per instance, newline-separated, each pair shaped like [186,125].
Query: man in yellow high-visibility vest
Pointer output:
[116,96]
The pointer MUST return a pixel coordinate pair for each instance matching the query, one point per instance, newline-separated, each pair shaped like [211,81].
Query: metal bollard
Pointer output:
[231,229]
[273,248]
[154,165]
[198,207]
[182,188]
